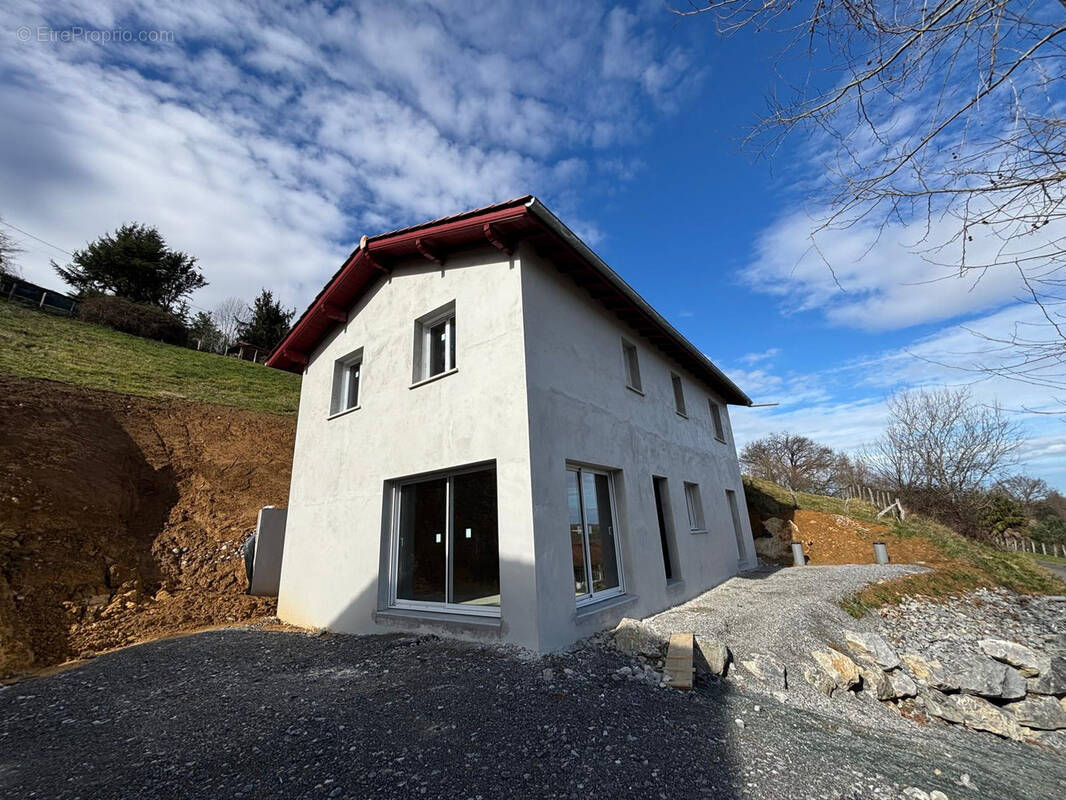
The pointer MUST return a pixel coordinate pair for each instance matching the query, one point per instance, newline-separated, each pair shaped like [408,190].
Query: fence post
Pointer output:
[1043,548]
[43,296]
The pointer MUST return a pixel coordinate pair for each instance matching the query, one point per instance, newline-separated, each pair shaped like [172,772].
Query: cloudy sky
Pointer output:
[265,138]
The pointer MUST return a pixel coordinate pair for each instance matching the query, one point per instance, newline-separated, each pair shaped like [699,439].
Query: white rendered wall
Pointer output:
[333,542]
[581,411]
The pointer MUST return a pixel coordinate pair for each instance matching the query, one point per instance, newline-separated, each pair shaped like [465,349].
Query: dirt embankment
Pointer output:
[121,518]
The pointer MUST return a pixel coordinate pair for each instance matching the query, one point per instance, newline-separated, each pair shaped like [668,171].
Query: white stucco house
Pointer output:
[499,439]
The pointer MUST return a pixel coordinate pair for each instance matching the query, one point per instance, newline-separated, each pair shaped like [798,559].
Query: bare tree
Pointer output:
[9,248]
[227,318]
[945,117]
[942,451]
[796,462]
[1030,492]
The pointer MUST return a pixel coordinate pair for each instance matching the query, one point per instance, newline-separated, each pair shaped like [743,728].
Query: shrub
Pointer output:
[151,322]
[1049,530]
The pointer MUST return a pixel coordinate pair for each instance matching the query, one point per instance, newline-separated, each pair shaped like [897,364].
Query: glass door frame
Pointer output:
[448,477]
[593,596]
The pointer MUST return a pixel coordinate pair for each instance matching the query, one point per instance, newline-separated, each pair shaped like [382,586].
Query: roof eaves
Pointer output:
[560,228]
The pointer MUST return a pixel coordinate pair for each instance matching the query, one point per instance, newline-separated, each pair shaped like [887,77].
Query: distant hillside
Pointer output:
[835,534]
[39,345]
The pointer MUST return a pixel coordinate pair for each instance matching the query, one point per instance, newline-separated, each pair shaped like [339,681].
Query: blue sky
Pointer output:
[267,138]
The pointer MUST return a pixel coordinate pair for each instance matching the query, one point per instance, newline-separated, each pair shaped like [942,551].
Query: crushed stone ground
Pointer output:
[250,713]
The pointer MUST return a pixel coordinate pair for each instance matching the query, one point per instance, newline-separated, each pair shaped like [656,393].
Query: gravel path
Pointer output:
[254,713]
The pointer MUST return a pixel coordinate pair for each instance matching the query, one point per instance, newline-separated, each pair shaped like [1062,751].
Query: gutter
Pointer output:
[539,210]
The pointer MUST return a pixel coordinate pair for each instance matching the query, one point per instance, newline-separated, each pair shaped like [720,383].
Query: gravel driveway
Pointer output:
[255,713]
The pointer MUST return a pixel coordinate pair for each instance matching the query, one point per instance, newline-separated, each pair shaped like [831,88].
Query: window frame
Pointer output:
[679,395]
[396,488]
[697,522]
[423,350]
[717,423]
[631,367]
[342,376]
[592,597]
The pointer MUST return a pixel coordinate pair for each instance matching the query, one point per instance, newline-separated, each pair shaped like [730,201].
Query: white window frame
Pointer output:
[679,394]
[342,376]
[716,419]
[631,367]
[697,523]
[423,346]
[394,546]
[593,596]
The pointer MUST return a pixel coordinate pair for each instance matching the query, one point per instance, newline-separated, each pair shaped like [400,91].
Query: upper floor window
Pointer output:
[346,373]
[679,394]
[716,420]
[695,507]
[435,343]
[632,364]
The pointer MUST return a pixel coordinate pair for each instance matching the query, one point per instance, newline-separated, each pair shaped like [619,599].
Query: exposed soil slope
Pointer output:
[121,517]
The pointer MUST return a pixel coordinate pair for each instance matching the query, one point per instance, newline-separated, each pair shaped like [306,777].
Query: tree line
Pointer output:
[941,453]
[132,281]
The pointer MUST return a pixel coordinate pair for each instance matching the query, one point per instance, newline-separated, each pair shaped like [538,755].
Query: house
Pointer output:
[498,439]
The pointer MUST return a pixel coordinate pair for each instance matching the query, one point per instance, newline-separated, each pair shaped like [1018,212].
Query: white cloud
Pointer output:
[846,406]
[266,139]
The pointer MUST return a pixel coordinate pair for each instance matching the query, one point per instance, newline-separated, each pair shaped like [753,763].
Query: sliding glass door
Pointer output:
[593,535]
[446,553]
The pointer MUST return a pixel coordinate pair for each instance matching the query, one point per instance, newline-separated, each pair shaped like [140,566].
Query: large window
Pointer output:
[435,343]
[446,551]
[346,373]
[695,508]
[593,534]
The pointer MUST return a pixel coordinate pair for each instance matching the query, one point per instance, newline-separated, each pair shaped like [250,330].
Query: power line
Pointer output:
[38,238]
[67,252]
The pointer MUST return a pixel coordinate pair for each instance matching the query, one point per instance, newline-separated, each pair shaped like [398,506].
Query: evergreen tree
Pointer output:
[134,263]
[202,329]
[268,322]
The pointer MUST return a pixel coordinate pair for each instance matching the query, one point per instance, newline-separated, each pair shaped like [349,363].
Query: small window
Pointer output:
[632,364]
[716,419]
[346,374]
[679,394]
[695,507]
[435,343]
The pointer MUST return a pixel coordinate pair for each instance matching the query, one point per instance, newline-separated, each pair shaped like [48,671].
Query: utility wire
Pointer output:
[67,252]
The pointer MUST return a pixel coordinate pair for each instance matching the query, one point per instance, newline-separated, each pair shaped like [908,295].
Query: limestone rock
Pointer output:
[1041,712]
[633,638]
[988,678]
[902,685]
[1027,661]
[873,648]
[767,668]
[1053,681]
[715,654]
[942,706]
[818,678]
[930,673]
[981,715]
[876,682]
[841,670]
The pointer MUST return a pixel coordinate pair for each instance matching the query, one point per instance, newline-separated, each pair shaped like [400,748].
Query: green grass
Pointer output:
[34,344]
[965,564]
[1052,559]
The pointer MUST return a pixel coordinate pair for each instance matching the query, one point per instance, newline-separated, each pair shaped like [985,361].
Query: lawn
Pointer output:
[960,564]
[34,344]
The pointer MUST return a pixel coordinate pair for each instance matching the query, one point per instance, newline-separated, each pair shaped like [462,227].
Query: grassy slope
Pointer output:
[39,345]
[967,564]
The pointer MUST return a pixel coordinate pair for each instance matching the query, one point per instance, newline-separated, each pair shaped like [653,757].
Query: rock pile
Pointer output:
[1009,690]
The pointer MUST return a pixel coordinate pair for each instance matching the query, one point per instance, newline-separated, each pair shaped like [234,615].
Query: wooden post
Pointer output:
[43,296]
[1043,548]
